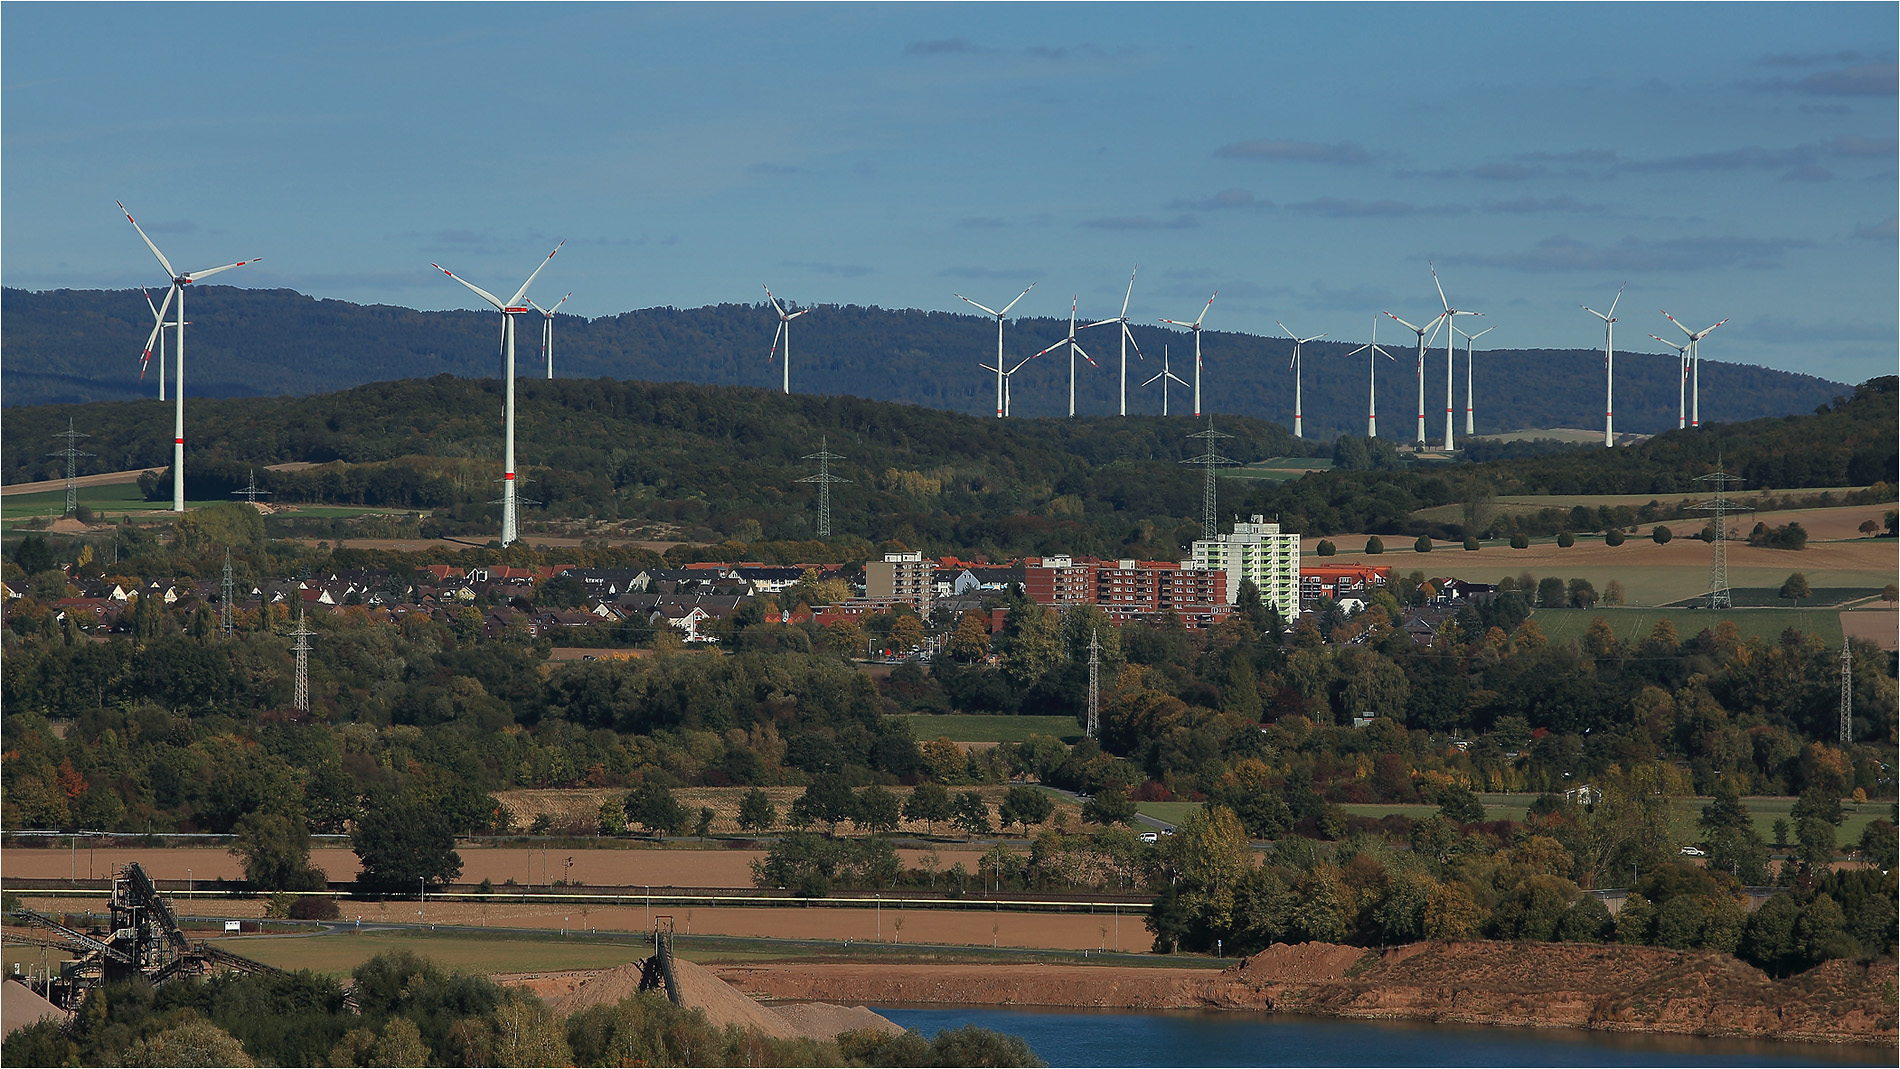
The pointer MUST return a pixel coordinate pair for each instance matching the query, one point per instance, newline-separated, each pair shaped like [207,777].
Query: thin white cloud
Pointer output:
[1338,208]
[1345,153]
[1141,222]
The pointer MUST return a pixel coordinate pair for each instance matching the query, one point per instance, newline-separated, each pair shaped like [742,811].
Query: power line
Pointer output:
[226,594]
[1209,460]
[252,491]
[72,453]
[300,699]
[1718,596]
[1095,684]
[824,479]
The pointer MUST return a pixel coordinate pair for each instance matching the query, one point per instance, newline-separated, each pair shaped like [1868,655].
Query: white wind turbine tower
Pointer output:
[999,340]
[1470,428]
[1682,379]
[1609,366]
[1448,315]
[1298,343]
[160,330]
[1695,366]
[179,282]
[509,309]
[547,330]
[1074,349]
[1420,331]
[1165,376]
[1196,328]
[784,331]
[1128,337]
[1375,351]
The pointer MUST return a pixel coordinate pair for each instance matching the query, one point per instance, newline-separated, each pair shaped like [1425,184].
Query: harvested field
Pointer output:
[1878,626]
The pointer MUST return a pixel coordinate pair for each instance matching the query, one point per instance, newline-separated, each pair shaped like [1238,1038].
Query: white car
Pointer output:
[1694,851]
[1149,837]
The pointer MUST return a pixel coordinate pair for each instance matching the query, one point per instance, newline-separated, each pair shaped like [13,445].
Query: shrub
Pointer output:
[1519,541]
[1374,545]
[1325,548]
[1423,545]
[1613,537]
[314,908]
[1565,540]
[1471,543]
[1661,535]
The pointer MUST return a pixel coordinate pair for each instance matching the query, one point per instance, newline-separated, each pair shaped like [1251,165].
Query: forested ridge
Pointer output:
[83,345]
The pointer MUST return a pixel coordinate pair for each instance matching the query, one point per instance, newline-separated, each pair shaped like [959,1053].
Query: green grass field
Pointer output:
[336,955]
[1634,624]
[958,727]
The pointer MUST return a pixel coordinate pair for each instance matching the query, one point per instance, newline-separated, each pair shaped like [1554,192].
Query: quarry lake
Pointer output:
[1216,1038]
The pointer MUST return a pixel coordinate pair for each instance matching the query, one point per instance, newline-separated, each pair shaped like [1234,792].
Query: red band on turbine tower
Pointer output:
[178,441]
[509,475]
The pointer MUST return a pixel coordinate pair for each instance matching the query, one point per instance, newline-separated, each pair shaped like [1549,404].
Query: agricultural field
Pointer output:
[462,951]
[1524,503]
[958,727]
[1279,469]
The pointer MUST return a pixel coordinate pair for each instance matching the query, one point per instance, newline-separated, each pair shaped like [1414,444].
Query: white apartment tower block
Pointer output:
[1257,552]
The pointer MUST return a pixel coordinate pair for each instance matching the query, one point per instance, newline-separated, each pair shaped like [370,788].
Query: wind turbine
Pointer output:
[1609,365]
[1695,366]
[1164,375]
[1372,377]
[509,309]
[1196,328]
[146,359]
[1682,379]
[1298,342]
[547,331]
[1420,331]
[1469,338]
[1128,337]
[1074,349]
[179,282]
[1009,376]
[784,331]
[999,340]
[1450,356]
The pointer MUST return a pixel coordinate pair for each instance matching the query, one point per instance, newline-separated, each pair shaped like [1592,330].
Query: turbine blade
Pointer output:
[1619,296]
[1012,304]
[148,301]
[1177,378]
[1441,288]
[1210,304]
[523,291]
[1131,291]
[1057,345]
[775,337]
[1132,341]
[1678,323]
[209,271]
[1709,331]
[1408,326]
[795,315]
[986,308]
[1359,350]
[1085,354]
[162,262]
[776,307]
[1155,376]
[479,292]
[562,301]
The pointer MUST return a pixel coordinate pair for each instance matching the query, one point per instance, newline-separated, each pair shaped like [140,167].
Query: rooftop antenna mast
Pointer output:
[1718,597]
[252,491]
[1095,684]
[226,594]
[72,453]
[1209,460]
[824,479]
[300,700]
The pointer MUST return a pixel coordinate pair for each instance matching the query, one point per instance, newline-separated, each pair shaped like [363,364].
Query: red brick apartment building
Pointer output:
[1341,581]
[1129,589]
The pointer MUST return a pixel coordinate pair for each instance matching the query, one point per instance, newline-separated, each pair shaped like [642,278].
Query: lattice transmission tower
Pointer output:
[1718,596]
[227,593]
[1095,684]
[72,453]
[1209,461]
[251,491]
[1847,692]
[824,479]
[300,698]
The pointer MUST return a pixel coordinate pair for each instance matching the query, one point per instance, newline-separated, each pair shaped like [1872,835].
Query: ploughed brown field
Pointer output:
[634,866]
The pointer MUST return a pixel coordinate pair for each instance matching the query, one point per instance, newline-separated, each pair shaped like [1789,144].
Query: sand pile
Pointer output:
[822,1020]
[1299,963]
[698,990]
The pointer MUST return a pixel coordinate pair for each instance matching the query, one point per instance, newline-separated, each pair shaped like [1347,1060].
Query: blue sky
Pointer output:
[1306,161]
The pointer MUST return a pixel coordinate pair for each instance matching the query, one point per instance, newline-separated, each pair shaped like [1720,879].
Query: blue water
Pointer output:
[1226,1038]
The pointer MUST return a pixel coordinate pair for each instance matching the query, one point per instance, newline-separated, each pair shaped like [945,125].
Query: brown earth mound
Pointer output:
[1301,962]
[822,1020]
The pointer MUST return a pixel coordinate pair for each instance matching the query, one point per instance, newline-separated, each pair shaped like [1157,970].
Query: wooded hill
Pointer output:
[727,460]
[83,345]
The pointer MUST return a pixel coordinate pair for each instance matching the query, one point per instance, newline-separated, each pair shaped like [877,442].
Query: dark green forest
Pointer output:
[83,345]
